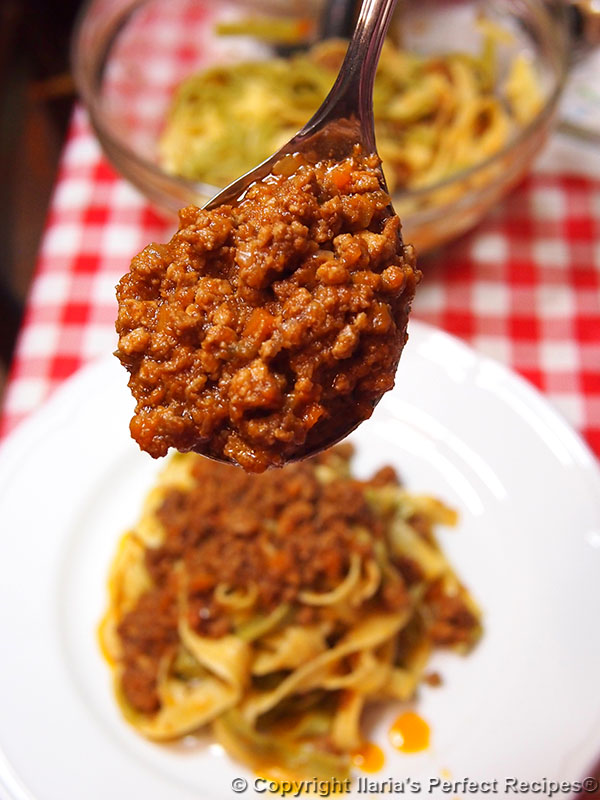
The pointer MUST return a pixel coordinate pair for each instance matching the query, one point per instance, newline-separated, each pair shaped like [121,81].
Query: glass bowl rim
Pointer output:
[557,16]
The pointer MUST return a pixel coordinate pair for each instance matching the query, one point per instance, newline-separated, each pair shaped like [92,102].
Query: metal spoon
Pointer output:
[344,119]
[346,116]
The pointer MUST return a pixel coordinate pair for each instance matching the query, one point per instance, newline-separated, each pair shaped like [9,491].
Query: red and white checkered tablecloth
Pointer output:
[524,287]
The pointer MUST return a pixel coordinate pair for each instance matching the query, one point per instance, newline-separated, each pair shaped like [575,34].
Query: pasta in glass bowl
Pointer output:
[186,96]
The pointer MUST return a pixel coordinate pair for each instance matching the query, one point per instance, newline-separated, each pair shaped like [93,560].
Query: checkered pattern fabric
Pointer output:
[524,287]
[160,47]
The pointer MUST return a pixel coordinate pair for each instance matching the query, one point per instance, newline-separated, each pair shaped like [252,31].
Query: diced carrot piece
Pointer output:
[341,175]
[280,561]
[312,415]
[200,582]
[260,324]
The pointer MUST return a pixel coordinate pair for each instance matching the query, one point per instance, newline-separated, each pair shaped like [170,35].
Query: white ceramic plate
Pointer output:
[525,704]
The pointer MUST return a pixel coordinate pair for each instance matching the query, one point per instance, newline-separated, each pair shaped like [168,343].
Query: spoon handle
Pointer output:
[337,19]
[346,115]
[352,93]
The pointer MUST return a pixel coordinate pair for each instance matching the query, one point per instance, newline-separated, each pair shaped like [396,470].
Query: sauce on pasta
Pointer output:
[276,607]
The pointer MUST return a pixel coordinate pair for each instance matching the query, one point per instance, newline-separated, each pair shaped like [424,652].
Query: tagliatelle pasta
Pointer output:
[434,115]
[274,608]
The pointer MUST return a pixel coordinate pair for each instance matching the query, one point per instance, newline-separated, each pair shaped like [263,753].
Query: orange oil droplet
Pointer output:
[368,757]
[410,733]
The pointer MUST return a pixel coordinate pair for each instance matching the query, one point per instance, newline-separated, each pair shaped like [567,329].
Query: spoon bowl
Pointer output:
[272,324]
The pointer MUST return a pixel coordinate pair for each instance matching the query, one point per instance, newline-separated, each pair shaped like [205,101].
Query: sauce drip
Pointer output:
[368,757]
[409,733]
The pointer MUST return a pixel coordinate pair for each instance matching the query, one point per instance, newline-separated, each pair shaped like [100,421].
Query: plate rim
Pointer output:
[53,414]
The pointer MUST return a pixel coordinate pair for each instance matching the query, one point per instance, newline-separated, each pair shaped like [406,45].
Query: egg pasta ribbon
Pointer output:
[274,608]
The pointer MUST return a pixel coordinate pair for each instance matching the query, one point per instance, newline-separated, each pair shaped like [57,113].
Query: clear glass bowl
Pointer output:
[129,56]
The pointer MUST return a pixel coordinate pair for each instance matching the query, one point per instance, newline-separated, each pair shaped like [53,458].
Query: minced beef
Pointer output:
[283,532]
[266,329]
[271,537]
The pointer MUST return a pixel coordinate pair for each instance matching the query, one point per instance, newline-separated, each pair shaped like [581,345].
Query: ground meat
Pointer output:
[409,569]
[147,634]
[279,534]
[385,476]
[453,623]
[282,532]
[264,330]
[271,537]
[433,679]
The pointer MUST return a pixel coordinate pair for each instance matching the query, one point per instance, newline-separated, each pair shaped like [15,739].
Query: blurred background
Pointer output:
[36,97]
[37,93]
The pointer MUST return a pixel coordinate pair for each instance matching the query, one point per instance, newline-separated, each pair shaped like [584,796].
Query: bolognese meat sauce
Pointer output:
[279,535]
[266,329]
